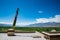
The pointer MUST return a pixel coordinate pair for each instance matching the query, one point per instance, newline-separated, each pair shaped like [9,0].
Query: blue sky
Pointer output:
[30,11]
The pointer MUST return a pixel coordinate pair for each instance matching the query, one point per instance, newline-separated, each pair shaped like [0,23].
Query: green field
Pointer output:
[40,29]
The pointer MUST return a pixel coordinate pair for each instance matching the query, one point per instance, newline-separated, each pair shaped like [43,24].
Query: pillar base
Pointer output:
[11,32]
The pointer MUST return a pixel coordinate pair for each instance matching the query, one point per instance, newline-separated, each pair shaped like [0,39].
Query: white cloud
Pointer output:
[50,19]
[39,20]
[40,11]
[25,23]
[5,22]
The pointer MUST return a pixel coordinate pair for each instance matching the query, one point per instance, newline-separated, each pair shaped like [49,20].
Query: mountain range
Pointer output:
[3,25]
[49,24]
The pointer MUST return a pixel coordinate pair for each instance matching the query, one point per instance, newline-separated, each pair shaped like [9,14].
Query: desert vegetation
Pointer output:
[40,29]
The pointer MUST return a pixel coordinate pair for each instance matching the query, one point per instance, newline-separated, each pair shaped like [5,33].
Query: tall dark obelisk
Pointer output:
[15,19]
[12,31]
